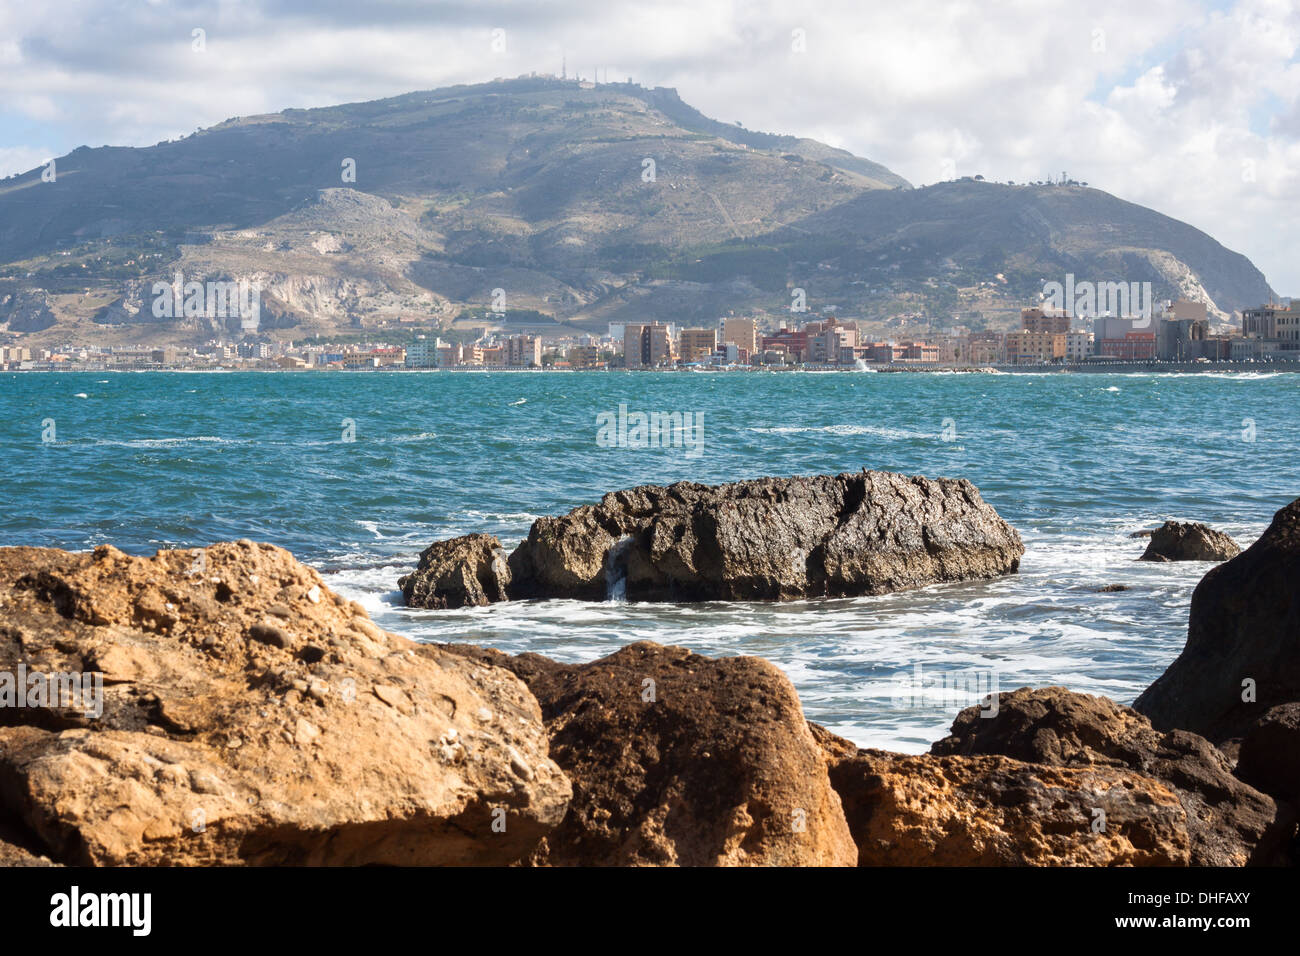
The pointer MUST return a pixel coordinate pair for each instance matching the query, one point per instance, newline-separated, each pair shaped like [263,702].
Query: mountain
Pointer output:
[576,203]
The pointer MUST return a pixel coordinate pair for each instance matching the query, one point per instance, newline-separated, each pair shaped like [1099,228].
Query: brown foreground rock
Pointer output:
[1189,541]
[250,715]
[1229,822]
[678,759]
[769,539]
[1243,641]
[994,811]
[12,855]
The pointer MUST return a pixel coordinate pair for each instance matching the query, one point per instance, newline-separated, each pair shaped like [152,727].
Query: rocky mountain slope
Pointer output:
[585,203]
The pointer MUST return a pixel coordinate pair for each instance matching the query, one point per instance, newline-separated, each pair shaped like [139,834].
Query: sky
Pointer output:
[1191,107]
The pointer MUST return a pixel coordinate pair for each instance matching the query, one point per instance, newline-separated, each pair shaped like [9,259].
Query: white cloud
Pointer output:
[1191,110]
[20,159]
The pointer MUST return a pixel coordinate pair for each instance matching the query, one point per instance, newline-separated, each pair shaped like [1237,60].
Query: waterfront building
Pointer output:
[647,346]
[1037,320]
[523,351]
[985,348]
[793,342]
[949,347]
[743,332]
[1266,321]
[830,341]
[1035,348]
[1078,346]
[1218,348]
[422,354]
[696,345]
[1133,347]
[917,352]
[583,356]
[1109,328]
[882,352]
[1180,340]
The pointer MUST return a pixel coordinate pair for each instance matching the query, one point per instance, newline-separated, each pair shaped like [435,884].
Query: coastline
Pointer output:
[650,756]
[1087,368]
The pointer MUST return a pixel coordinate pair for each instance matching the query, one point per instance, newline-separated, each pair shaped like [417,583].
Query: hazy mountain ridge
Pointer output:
[589,204]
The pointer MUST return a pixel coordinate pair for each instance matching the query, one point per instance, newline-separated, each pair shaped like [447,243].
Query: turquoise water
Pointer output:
[1075,462]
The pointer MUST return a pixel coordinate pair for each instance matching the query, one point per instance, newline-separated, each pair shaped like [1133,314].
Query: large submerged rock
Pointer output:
[1189,541]
[678,759]
[1243,641]
[768,539]
[1228,822]
[251,716]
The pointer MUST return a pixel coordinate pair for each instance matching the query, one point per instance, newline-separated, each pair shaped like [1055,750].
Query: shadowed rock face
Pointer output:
[995,811]
[1269,756]
[767,539]
[678,759]
[13,852]
[1228,822]
[1182,541]
[251,716]
[1243,637]
[469,570]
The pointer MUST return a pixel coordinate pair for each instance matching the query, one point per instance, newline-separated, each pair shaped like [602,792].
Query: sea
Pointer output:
[357,472]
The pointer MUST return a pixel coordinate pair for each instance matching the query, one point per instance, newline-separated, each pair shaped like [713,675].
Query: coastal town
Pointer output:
[1176,332]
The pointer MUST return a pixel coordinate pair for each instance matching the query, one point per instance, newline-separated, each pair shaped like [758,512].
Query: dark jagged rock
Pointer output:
[1243,641]
[1269,755]
[1229,822]
[1189,541]
[467,571]
[681,759]
[766,539]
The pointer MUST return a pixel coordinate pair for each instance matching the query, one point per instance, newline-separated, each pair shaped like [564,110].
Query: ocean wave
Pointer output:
[875,430]
[163,442]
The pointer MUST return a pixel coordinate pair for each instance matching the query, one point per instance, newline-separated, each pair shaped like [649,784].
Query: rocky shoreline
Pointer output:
[250,716]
